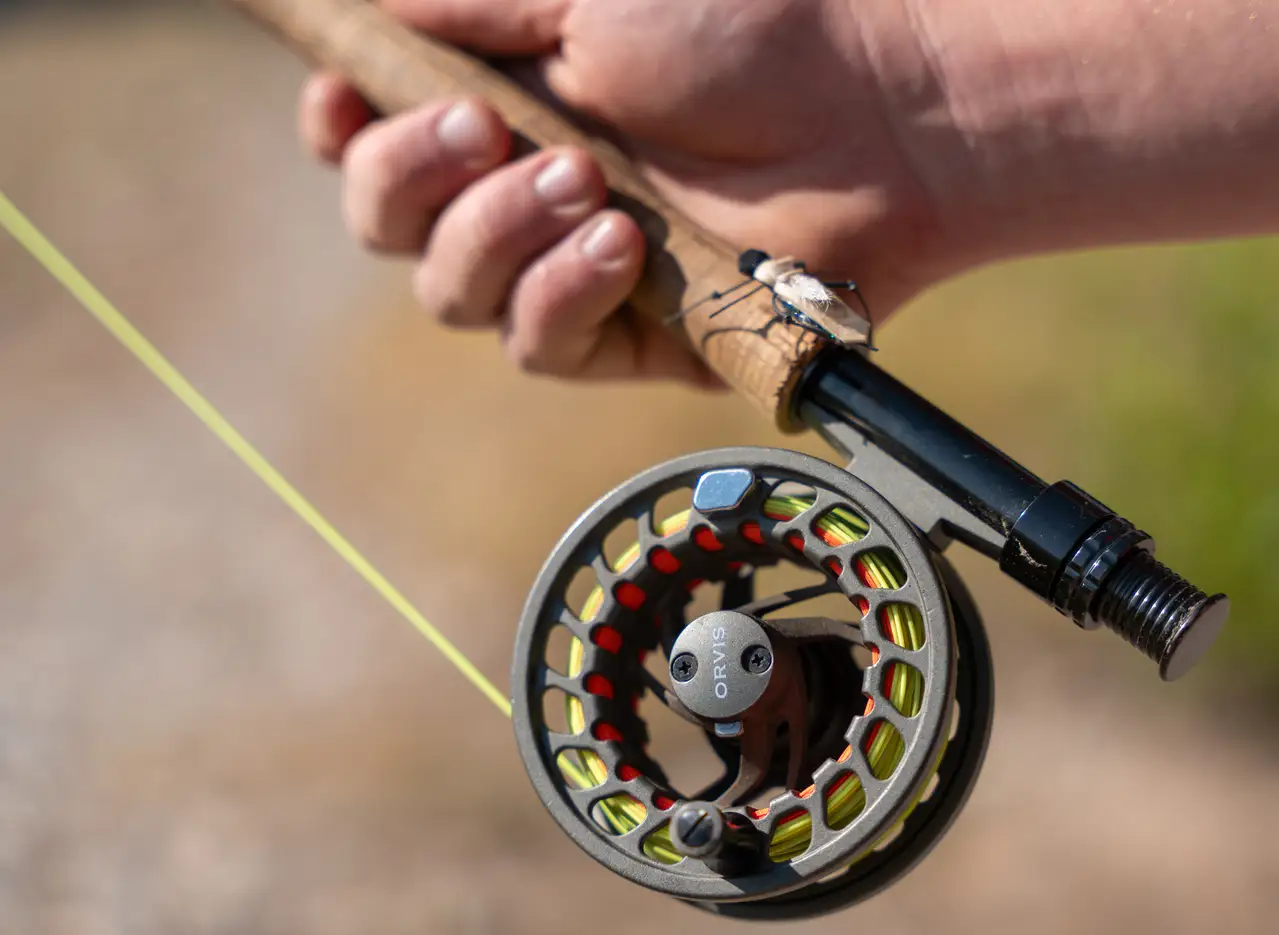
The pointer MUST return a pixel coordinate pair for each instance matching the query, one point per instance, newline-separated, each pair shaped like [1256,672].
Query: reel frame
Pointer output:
[792,888]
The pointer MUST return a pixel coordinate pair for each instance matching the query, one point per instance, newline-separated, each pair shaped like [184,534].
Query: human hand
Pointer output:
[764,122]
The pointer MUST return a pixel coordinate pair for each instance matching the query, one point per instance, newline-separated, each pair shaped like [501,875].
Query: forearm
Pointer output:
[1040,125]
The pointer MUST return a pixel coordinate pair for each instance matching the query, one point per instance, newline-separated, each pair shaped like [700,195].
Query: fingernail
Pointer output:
[466,133]
[561,183]
[605,242]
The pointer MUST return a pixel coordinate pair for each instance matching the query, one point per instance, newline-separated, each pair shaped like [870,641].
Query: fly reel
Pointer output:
[838,774]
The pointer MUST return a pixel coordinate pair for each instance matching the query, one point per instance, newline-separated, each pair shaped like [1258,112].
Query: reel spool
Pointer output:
[870,761]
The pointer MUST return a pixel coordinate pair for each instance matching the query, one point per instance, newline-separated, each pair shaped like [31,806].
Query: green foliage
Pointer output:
[1185,412]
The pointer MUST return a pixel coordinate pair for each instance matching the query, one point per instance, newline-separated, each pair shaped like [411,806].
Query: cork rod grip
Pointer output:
[396,69]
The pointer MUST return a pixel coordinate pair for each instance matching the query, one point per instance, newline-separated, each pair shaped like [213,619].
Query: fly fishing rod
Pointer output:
[849,739]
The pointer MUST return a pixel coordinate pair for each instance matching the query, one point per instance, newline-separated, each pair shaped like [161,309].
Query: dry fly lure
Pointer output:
[799,298]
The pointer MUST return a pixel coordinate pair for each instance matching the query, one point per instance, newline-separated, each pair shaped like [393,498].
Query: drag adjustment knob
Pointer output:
[721,666]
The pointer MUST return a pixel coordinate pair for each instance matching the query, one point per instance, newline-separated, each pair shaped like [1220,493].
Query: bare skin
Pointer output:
[896,142]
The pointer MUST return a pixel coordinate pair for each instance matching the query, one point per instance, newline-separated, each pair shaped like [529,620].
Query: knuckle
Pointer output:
[366,234]
[368,237]
[451,313]
[529,356]
[437,300]
[368,231]
[534,291]
[375,165]
[488,223]
[372,204]
[365,218]
[588,167]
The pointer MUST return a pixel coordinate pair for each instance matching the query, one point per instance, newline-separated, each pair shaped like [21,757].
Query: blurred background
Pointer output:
[208,724]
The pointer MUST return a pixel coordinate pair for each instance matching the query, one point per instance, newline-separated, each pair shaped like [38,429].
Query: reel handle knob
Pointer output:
[397,69]
[697,830]
[701,831]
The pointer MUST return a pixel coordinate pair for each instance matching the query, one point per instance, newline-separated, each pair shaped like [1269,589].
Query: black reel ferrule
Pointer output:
[1061,543]
[1064,548]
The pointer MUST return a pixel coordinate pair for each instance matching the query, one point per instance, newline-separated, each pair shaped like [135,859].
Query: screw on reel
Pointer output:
[863,765]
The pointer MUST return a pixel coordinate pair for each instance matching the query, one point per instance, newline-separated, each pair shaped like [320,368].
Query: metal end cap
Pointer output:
[1194,638]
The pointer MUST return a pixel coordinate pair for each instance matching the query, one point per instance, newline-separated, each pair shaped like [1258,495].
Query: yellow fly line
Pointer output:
[115,322]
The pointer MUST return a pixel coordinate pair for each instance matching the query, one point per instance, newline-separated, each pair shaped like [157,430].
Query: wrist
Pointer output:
[953,219]
[1009,139]
[1041,127]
